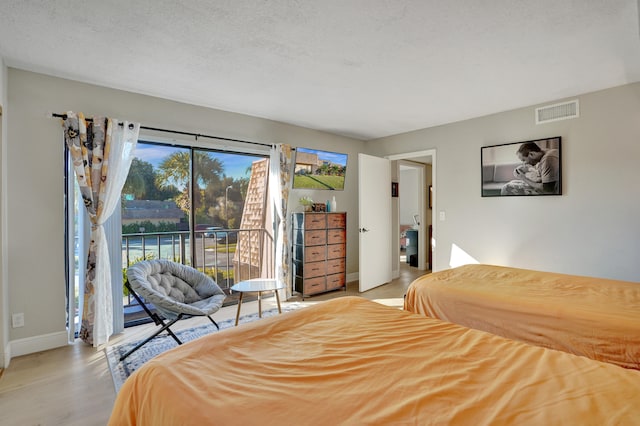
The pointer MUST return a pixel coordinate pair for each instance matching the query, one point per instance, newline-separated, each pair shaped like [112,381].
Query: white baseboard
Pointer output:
[6,359]
[35,344]
[354,276]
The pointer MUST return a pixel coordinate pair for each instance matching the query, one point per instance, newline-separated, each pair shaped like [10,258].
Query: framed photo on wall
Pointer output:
[522,168]
[394,189]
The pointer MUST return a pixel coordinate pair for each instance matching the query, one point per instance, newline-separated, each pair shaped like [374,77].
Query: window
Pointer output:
[179,203]
[184,204]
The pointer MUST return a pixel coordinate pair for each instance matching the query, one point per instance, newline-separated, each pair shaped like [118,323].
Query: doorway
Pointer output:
[410,176]
[424,226]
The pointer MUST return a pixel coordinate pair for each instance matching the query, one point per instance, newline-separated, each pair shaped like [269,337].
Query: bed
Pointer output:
[592,317]
[355,361]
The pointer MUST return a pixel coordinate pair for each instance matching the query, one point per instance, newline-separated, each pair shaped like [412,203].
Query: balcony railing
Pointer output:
[227,255]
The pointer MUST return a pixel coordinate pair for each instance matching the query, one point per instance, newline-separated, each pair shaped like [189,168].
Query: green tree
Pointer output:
[176,170]
[141,182]
[331,170]
[137,182]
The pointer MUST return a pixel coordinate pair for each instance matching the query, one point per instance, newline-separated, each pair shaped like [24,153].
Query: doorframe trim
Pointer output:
[434,202]
[420,168]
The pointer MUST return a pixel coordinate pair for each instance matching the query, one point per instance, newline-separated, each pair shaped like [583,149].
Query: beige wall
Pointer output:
[592,229]
[4,287]
[35,167]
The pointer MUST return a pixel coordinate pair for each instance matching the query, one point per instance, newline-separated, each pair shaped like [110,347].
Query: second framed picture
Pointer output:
[394,189]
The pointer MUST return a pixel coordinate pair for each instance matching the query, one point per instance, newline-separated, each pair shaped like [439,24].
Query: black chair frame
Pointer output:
[158,320]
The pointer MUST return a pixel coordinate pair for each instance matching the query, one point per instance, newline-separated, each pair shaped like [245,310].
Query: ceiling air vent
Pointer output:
[556,112]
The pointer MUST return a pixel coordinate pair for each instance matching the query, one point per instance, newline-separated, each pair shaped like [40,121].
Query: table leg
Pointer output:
[239,304]
[259,304]
[278,300]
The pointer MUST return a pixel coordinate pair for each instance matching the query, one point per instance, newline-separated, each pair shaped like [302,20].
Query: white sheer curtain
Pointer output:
[102,151]
[113,231]
[279,189]
[79,227]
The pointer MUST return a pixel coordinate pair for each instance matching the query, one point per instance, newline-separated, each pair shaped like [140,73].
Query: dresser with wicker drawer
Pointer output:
[319,252]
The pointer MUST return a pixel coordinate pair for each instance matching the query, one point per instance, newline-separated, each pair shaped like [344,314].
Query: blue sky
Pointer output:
[235,165]
[333,157]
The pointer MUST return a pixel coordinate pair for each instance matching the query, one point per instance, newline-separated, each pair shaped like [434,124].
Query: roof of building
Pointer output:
[151,209]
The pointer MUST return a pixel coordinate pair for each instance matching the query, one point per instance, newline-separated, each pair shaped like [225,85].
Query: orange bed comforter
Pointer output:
[592,317]
[354,361]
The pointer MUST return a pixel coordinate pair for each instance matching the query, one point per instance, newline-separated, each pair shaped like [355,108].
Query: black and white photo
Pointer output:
[522,168]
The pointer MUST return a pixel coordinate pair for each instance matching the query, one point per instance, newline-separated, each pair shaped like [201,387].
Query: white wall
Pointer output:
[35,186]
[592,229]
[408,188]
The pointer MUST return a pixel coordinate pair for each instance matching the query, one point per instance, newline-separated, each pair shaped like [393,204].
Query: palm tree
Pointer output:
[141,183]
[175,170]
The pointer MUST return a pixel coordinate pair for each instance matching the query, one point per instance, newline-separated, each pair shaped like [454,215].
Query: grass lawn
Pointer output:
[318,182]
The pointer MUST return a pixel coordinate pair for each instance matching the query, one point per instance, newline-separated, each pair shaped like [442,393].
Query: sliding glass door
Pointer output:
[179,203]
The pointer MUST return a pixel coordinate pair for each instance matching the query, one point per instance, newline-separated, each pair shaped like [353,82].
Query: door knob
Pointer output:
[363,230]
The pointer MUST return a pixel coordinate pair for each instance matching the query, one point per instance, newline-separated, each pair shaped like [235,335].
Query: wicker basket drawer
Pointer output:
[315,221]
[314,285]
[335,281]
[314,254]
[335,251]
[314,269]
[336,220]
[315,238]
[335,266]
[335,236]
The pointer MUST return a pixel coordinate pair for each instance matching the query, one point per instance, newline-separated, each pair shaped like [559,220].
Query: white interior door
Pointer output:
[374,206]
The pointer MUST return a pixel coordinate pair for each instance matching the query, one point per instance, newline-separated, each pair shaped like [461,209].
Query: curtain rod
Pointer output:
[178,132]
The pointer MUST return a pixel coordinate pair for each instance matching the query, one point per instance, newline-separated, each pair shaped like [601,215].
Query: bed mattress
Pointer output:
[354,361]
[593,317]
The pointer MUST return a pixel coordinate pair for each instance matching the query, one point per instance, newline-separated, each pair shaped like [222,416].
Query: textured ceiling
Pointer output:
[359,68]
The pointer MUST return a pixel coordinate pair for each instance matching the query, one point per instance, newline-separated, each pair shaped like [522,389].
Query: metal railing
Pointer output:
[227,255]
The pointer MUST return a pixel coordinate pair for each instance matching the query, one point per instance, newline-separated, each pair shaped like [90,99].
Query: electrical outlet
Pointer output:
[17,320]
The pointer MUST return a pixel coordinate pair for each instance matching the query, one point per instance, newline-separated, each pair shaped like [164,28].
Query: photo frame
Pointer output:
[394,189]
[319,170]
[528,168]
[318,207]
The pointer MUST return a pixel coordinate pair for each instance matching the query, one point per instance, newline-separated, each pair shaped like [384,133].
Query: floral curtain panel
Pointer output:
[280,166]
[102,150]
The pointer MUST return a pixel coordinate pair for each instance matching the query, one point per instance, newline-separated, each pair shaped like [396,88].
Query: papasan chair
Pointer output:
[175,291]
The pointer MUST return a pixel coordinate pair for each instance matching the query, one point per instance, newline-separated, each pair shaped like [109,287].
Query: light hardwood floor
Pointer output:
[72,385]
